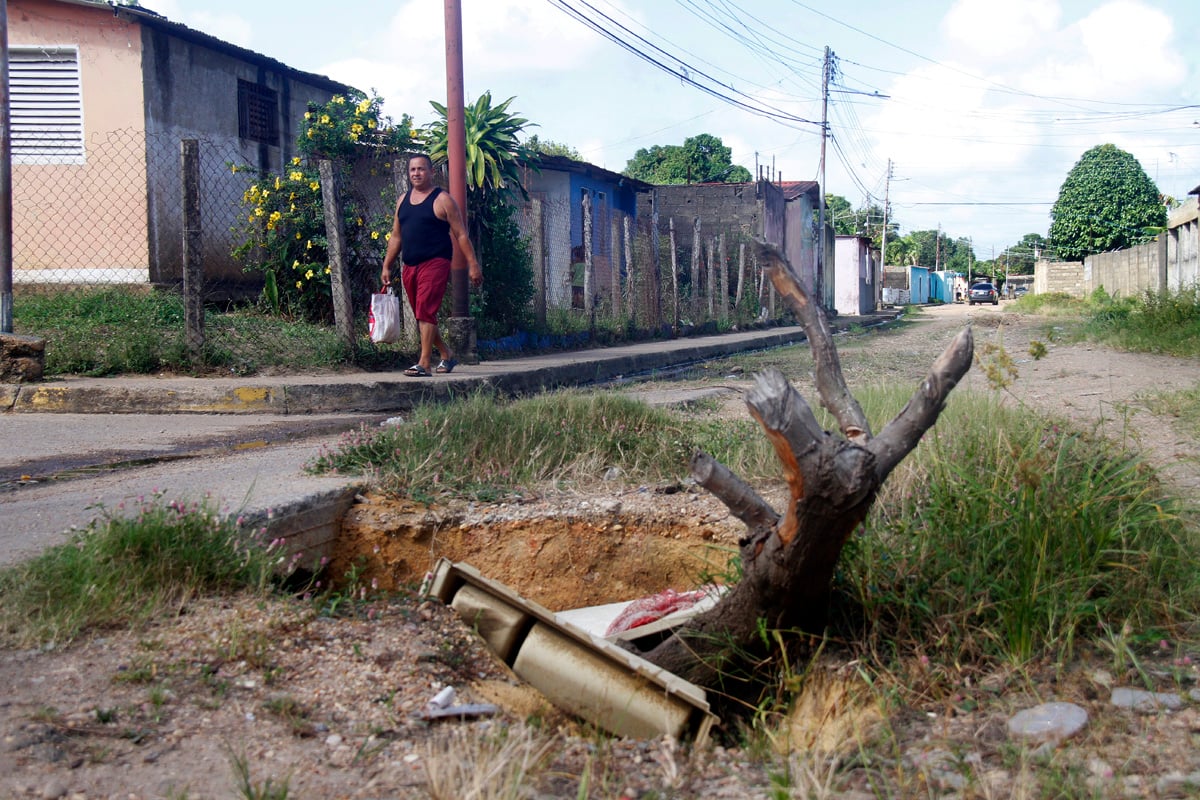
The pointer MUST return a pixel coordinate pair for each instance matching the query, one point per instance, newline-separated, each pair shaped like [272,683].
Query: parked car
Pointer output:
[1020,291]
[983,293]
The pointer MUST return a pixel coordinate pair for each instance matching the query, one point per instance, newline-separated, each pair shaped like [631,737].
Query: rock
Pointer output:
[1048,723]
[333,740]
[54,790]
[1145,702]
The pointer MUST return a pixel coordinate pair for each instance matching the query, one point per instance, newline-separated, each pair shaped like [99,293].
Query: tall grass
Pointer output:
[125,569]
[1008,535]
[1153,322]
[482,447]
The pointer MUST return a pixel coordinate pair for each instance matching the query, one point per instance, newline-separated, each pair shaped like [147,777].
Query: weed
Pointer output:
[268,790]
[475,764]
[126,569]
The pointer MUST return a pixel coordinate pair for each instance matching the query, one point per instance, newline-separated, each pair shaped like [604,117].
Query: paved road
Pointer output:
[61,466]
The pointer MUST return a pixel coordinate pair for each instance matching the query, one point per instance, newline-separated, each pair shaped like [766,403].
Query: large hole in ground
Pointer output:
[563,552]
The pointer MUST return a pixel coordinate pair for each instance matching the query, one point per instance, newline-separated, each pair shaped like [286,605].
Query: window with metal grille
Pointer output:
[46,105]
[258,113]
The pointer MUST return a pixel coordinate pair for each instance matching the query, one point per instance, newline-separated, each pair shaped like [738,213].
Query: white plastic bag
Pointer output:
[383,320]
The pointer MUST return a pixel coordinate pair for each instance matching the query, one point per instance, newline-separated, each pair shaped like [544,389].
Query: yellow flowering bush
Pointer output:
[283,235]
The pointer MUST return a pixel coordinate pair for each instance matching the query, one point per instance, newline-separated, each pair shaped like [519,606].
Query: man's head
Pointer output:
[420,171]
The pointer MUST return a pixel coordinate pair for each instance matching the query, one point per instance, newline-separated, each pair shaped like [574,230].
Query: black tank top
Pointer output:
[422,234]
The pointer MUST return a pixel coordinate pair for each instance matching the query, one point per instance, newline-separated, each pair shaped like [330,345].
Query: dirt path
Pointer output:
[327,703]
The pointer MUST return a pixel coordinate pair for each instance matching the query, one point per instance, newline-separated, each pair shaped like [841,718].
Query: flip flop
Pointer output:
[416,371]
[446,366]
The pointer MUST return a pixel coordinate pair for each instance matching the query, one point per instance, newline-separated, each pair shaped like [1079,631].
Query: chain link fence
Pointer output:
[137,259]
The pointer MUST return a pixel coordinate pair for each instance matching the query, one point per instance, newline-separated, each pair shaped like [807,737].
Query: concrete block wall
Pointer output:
[1064,277]
[1129,272]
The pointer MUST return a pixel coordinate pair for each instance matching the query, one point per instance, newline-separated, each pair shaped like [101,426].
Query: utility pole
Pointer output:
[826,76]
[937,249]
[461,326]
[887,185]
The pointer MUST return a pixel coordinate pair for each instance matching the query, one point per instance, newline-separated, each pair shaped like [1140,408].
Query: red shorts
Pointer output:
[425,285]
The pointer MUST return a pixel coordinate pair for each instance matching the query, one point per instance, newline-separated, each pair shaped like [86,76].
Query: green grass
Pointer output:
[482,447]
[121,330]
[126,569]
[1152,322]
[1010,536]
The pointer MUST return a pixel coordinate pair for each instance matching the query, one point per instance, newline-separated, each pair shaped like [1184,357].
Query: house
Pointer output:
[857,273]
[803,200]
[919,285]
[574,196]
[101,97]
[947,286]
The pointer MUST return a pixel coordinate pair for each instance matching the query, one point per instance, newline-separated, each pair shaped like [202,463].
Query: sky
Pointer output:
[979,107]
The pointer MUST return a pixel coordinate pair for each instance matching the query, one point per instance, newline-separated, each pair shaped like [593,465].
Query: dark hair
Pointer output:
[425,156]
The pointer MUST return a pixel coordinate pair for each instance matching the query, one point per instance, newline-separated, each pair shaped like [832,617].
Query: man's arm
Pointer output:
[393,248]
[447,209]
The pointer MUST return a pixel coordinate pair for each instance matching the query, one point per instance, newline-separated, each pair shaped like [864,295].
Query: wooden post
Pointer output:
[674,279]
[710,288]
[588,224]
[656,315]
[615,248]
[695,269]
[737,295]
[343,312]
[193,253]
[630,266]
[723,278]
[537,247]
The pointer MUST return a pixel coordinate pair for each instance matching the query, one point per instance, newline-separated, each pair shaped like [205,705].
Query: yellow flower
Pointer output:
[308,245]
[308,115]
[387,165]
[278,182]
[328,270]
[354,137]
[293,208]
[251,218]
[374,234]
[275,216]
[371,124]
[358,221]
[299,284]
[337,98]
[364,106]
[296,175]
[310,133]
[296,264]
[356,128]
[309,274]
[296,160]
[258,212]
[324,119]
[314,186]
[298,236]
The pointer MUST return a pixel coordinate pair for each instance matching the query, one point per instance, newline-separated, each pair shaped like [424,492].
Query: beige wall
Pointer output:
[86,222]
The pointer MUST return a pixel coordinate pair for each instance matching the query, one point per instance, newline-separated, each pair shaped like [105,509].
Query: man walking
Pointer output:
[426,224]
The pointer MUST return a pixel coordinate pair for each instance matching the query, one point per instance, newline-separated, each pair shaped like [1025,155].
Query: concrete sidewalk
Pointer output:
[376,392]
[79,447]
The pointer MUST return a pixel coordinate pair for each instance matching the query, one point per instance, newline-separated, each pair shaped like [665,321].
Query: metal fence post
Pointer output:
[343,313]
[193,251]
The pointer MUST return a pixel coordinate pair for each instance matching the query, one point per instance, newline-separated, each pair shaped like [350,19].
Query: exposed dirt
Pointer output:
[327,703]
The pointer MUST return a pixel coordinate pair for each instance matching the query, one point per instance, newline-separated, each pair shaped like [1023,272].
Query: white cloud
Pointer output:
[1001,30]
[231,28]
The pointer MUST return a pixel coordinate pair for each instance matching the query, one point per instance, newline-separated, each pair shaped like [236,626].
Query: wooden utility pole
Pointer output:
[6,252]
[826,75]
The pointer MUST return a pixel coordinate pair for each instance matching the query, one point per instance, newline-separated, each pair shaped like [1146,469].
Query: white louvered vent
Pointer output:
[46,105]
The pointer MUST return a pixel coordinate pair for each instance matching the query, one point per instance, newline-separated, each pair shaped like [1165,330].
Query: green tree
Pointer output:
[1020,258]
[703,158]
[494,153]
[840,212]
[548,147]
[1107,202]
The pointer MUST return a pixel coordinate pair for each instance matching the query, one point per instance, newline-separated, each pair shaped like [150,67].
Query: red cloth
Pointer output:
[648,609]
[425,285]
